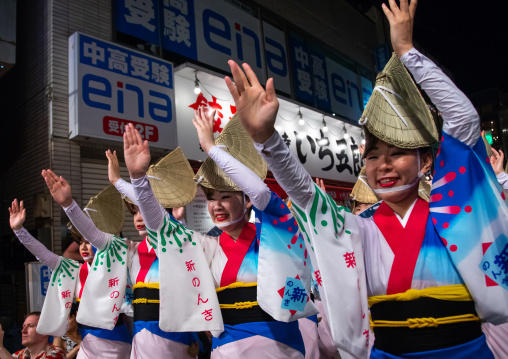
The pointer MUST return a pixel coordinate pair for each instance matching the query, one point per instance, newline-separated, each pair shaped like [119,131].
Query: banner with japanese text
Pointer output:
[111,86]
[333,154]
[211,32]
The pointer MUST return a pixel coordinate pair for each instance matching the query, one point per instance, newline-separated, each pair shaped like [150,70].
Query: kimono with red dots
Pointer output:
[458,240]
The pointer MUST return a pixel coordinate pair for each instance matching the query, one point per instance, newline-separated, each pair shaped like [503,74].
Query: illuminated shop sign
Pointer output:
[111,85]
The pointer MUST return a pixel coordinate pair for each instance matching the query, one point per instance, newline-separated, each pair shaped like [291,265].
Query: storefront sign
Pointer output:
[211,32]
[330,155]
[111,85]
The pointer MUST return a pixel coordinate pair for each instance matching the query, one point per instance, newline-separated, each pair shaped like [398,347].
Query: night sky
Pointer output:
[469,38]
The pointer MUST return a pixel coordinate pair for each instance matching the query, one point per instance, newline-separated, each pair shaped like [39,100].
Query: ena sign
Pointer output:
[111,86]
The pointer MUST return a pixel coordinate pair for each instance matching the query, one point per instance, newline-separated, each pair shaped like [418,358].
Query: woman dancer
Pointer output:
[95,342]
[249,331]
[424,274]
[148,340]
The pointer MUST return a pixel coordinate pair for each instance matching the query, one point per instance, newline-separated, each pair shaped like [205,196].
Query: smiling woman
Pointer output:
[394,173]
[420,268]
[249,263]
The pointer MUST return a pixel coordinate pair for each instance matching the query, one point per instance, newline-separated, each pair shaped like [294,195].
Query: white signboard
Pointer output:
[111,86]
[197,216]
[330,155]
[38,276]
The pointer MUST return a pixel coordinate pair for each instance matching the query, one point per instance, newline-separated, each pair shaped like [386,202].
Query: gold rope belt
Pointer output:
[236,285]
[424,322]
[239,305]
[145,301]
[456,292]
[145,285]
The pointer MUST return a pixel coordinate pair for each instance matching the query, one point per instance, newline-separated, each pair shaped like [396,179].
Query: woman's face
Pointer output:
[226,207]
[390,167]
[86,251]
[139,223]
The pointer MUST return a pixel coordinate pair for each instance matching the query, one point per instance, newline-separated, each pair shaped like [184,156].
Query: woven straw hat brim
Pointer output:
[172,180]
[424,190]
[238,144]
[74,232]
[382,121]
[106,210]
[362,192]
[487,144]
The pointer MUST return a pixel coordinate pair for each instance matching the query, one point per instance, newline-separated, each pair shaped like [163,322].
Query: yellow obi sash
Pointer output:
[457,292]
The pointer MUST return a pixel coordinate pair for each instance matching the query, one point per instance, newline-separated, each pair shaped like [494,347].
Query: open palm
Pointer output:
[17,215]
[58,187]
[136,152]
[256,107]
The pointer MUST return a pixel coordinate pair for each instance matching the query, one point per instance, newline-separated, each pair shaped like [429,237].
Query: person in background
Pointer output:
[70,342]
[497,160]
[36,345]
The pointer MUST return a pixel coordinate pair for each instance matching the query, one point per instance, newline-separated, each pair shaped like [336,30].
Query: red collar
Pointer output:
[235,251]
[405,242]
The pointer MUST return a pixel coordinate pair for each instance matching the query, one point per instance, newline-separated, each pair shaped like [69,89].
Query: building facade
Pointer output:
[323,56]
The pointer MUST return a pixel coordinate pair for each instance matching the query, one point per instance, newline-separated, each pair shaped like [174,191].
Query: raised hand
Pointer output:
[497,160]
[58,187]
[136,152]
[321,184]
[113,167]
[204,125]
[401,24]
[256,107]
[17,215]
[361,149]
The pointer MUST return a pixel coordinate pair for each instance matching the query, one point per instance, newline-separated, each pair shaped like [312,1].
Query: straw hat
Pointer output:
[171,180]
[106,210]
[237,143]
[487,144]
[396,112]
[361,191]
[424,190]
[74,232]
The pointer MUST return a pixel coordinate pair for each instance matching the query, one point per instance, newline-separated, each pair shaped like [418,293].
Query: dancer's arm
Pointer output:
[459,115]
[62,194]
[257,110]
[241,175]
[137,159]
[124,187]
[16,219]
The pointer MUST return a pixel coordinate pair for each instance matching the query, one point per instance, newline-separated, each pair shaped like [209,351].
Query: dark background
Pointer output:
[469,38]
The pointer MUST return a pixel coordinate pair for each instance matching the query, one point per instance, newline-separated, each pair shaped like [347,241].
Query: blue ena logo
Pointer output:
[276,60]
[102,92]
[343,91]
